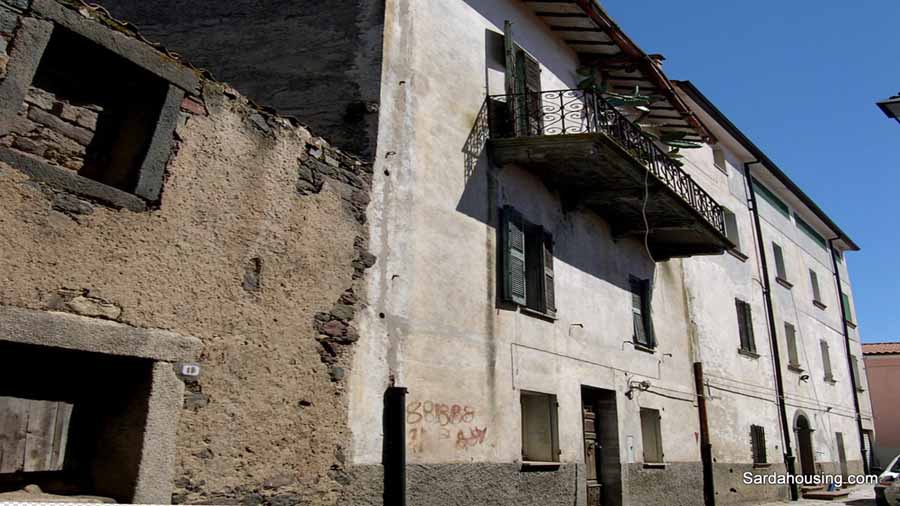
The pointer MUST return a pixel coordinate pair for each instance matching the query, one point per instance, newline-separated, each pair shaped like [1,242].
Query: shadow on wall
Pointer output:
[532,41]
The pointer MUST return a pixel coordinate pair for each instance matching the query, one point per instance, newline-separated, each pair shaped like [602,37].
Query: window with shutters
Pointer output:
[745,327]
[848,311]
[780,269]
[758,444]
[651,436]
[817,294]
[790,335]
[731,229]
[719,159]
[540,436]
[826,361]
[527,264]
[854,369]
[641,313]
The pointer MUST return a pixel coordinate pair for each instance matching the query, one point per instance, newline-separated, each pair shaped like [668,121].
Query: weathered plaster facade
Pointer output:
[310,282]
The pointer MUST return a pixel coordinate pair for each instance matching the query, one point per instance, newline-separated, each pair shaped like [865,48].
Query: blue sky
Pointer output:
[801,79]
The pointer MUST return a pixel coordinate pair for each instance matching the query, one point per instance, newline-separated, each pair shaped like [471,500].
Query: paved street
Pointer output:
[859,496]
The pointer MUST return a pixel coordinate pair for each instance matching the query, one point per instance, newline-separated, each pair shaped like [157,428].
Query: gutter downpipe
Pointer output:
[709,489]
[859,426]
[789,459]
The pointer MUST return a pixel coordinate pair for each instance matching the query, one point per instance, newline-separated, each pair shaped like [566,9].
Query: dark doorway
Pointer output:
[603,472]
[805,445]
[842,454]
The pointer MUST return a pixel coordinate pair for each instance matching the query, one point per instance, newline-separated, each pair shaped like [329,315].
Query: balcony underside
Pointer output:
[591,171]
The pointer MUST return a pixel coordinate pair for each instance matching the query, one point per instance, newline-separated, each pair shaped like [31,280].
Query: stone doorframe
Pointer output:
[78,333]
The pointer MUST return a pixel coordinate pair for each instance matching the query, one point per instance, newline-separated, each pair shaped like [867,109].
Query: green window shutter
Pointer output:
[648,313]
[745,325]
[848,311]
[510,54]
[549,278]
[513,242]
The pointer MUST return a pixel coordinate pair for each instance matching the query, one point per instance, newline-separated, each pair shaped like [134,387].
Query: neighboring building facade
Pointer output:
[550,307]
[883,369]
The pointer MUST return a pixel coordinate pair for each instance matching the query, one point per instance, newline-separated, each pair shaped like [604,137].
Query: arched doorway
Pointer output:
[804,432]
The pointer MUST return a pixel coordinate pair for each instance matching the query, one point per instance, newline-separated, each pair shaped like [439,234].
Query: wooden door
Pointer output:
[591,454]
[33,435]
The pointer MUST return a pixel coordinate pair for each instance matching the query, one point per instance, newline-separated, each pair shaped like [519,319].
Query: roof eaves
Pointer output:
[648,64]
[732,129]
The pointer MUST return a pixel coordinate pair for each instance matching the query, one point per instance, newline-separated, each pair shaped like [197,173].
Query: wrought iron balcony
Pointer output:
[584,147]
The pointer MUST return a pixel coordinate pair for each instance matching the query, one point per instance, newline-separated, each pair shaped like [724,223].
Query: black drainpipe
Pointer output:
[773,335]
[837,275]
[709,488]
[395,446]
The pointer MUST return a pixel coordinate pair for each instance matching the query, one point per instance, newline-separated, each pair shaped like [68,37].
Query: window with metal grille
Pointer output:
[651,435]
[641,312]
[540,436]
[527,257]
[790,334]
[826,361]
[745,326]
[758,444]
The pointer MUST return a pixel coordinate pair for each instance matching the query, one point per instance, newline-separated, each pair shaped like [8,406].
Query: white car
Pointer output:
[887,492]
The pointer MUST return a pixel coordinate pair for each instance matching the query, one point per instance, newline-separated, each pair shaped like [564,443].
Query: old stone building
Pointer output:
[521,292]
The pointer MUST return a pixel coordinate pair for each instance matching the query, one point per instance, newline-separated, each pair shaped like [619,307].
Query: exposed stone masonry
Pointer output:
[54,129]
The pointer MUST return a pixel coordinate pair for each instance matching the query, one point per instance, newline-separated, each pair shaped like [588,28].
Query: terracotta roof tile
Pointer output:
[881,348]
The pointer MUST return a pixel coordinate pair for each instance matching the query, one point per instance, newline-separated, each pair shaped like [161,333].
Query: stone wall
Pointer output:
[257,247]
[318,61]
[54,129]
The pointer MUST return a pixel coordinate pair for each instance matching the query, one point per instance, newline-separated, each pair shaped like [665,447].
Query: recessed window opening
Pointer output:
[540,436]
[72,422]
[90,111]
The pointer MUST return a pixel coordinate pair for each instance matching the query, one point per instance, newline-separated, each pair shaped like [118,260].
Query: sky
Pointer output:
[800,79]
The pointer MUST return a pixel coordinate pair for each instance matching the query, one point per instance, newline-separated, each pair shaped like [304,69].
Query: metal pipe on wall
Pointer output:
[854,386]
[789,459]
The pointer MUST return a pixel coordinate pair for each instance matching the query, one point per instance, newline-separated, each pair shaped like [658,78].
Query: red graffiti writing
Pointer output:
[475,437]
[438,413]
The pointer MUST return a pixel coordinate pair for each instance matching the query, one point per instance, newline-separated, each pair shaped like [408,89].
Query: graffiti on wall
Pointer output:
[433,424]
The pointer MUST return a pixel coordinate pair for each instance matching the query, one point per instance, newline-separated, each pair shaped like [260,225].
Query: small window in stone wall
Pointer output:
[540,437]
[89,111]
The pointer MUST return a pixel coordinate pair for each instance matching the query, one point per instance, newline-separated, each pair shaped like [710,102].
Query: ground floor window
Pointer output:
[651,436]
[540,437]
[758,444]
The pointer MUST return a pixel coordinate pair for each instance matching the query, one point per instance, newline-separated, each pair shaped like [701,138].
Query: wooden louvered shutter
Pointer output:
[528,77]
[745,325]
[637,312]
[758,444]
[513,228]
[549,293]
[648,312]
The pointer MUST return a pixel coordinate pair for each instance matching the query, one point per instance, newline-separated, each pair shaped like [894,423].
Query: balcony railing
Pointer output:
[563,112]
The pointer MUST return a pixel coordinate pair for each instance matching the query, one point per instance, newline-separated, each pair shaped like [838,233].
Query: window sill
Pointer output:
[538,314]
[761,465]
[748,353]
[737,254]
[644,348]
[850,324]
[795,368]
[655,465]
[531,464]
[820,305]
[783,282]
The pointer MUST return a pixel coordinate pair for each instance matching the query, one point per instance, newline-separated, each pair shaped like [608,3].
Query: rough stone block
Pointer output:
[9,20]
[82,135]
